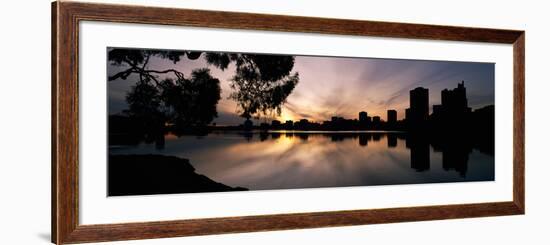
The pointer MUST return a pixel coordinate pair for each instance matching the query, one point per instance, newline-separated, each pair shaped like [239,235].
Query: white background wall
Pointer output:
[25,122]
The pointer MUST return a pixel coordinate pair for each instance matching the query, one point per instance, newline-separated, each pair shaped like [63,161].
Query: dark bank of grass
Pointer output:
[157,174]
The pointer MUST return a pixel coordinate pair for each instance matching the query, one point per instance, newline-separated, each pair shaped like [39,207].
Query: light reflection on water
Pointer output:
[285,160]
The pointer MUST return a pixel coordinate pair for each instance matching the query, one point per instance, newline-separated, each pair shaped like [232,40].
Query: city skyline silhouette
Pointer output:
[338,86]
[454,106]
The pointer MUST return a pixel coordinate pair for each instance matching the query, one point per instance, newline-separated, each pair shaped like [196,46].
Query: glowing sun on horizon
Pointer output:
[285,116]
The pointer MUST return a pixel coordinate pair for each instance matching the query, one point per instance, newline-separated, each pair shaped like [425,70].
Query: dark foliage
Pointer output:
[191,102]
[261,85]
[261,82]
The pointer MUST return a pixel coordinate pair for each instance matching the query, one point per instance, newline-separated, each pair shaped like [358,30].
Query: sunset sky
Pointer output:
[334,86]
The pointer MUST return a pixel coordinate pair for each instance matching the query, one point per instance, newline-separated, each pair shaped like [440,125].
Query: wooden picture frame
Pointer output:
[65,121]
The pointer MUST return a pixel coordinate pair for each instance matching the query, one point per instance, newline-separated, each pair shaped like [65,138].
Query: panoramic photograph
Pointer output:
[191,121]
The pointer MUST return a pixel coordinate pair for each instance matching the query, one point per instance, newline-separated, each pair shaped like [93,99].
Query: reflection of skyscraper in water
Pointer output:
[363,139]
[420,152]
[392,140]
[336,137]
[275,135]
[303,136]
[418,111]
[263,135]
[455,157]
[247,135]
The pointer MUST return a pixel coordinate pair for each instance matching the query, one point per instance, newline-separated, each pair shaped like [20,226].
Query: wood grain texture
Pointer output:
[65,122]
[54,123]
[519,122]
[233,20]
[65,30]
[195,227]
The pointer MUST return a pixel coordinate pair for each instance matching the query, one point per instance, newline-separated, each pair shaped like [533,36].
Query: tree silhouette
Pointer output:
[191,102]
[186,103]
[145,111]
[261,82]
[153,101]
[261,85]
[136,60]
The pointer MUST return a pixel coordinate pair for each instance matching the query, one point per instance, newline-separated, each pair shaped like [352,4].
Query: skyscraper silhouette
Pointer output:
[418,111]
[453,111]
[455,101]
[363,117]
[392,117]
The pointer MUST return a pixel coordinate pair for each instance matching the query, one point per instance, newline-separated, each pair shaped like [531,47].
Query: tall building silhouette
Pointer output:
[454,106]
[455,100]
[276,123]
[363,117]
[392,117]
[376,120]
[288,124]
[418,110]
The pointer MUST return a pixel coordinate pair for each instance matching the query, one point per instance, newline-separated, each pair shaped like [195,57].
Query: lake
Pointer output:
[287,160]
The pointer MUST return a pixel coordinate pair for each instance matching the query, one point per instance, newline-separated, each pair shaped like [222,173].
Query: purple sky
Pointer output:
[334,86]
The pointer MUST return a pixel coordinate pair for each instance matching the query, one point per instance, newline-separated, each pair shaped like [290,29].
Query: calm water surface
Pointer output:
[285,160]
